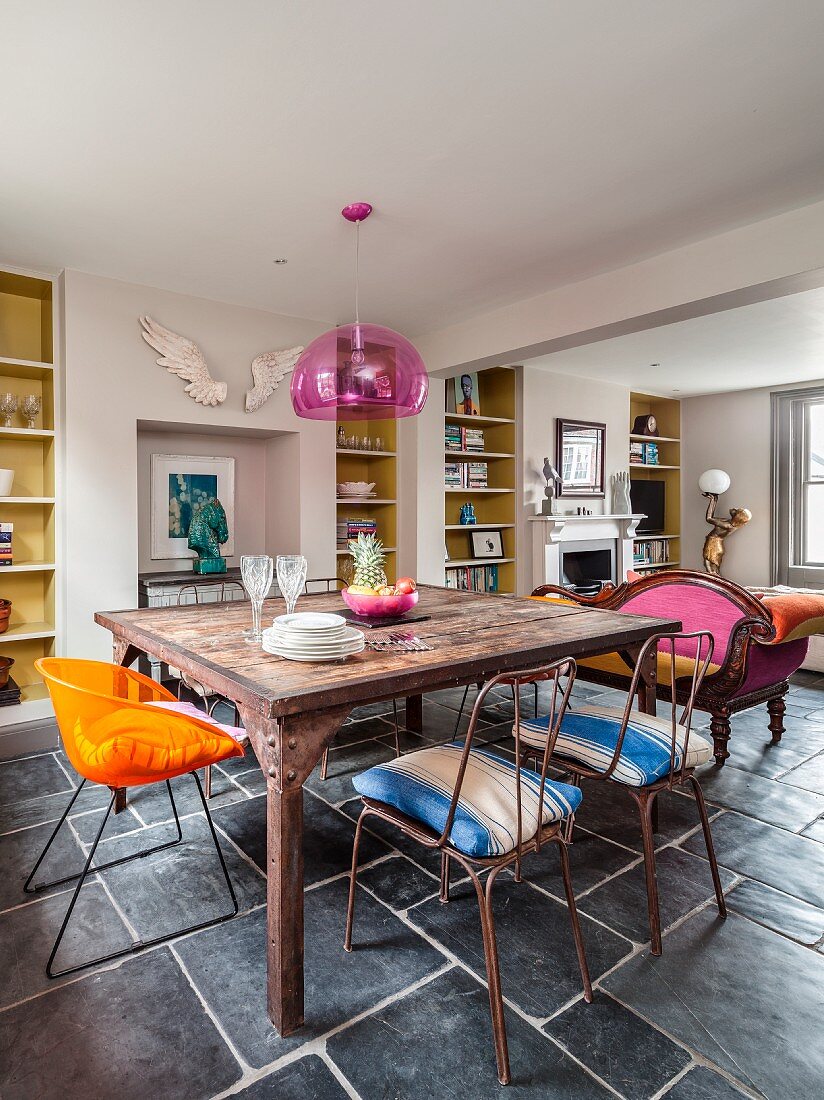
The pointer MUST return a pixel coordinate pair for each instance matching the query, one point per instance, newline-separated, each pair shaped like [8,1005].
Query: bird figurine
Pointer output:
[552,478]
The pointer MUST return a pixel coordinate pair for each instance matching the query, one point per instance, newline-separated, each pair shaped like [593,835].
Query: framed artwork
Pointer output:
[580,447]
[179,485]
[487,544]
[467,394]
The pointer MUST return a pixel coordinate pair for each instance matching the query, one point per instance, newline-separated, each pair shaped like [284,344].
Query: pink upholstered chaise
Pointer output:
[759,643]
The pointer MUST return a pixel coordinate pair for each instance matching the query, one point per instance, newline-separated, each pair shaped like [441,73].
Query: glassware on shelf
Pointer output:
[32,403]
[291,574]
[8,407]
[256,574]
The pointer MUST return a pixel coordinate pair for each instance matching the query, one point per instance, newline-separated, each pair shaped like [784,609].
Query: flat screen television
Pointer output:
[648,497]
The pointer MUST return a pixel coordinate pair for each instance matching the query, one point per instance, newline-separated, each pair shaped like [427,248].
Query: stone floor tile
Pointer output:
[591,860]
[398,882]
[624,1050]
[22,779]
[744,997]
[344,765]
[684,883]
[307,1079]
[539,967]
[791,863]
[27,936]
[816,830]
[18,855]
[797,919]
[609,810]
[180,886]
[133,1032]
[777,804]
[50,807]
[809,776]
[701,1083]
[228,965]
[437,1042]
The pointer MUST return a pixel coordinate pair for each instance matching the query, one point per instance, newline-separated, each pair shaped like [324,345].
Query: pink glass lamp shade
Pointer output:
[359,372]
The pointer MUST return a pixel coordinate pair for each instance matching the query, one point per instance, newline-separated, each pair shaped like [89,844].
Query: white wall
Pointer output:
[547,396]
[112,381]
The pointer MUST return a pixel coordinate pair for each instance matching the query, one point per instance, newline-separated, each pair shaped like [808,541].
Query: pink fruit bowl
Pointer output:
[379,606]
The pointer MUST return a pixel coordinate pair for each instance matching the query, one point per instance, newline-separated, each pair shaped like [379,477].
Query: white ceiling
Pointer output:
[766,344]
[507,147]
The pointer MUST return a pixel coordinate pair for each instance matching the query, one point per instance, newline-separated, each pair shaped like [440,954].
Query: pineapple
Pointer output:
[369,558]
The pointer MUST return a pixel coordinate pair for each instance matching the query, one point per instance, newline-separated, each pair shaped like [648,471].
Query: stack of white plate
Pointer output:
[312,636]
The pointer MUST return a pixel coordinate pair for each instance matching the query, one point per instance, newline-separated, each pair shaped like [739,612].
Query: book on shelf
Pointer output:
[6,533]
[466,475]
[650,454]
[473,578]
[349,529]
[636,454]
[457,438]
[650,552]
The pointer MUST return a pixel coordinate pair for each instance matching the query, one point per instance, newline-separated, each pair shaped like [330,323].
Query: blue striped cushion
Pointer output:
[589,734]
[421,785]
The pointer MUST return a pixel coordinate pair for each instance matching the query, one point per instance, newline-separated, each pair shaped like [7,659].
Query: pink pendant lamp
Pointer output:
[359,371]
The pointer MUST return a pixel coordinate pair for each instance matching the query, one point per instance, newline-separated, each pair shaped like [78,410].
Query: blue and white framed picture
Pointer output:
[180,485]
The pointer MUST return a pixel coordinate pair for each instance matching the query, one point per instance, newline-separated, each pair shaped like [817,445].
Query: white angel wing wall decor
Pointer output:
[184,358]
[268,370]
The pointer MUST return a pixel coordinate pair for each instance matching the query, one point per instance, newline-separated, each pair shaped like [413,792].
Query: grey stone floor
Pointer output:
[730,1008]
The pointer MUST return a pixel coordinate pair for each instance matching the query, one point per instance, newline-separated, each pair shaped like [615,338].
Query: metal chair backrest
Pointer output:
[206,587]
[561,674]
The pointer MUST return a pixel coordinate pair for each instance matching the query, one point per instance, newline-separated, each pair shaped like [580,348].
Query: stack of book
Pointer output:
[473,578]
[349,529]
[636,454]
[466,475]
[6,532]
[457,438]
[650,552]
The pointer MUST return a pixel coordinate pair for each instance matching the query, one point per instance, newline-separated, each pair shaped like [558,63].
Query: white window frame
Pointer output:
[790,431]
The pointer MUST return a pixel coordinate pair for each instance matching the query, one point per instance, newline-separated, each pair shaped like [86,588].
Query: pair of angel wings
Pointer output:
[184,358]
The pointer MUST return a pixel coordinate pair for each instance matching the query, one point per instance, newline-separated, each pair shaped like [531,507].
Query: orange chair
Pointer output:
[117,730]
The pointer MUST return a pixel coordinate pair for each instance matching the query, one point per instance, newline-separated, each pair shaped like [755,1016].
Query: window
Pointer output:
[798,488]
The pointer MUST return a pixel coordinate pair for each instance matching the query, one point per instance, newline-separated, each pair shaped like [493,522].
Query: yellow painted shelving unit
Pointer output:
[494,506]
[27,365]
[667,412]
[381,467]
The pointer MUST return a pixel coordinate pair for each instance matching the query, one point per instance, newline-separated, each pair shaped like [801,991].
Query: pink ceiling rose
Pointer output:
[359,372]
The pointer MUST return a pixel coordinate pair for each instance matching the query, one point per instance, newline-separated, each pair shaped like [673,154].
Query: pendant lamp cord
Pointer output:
[357,273]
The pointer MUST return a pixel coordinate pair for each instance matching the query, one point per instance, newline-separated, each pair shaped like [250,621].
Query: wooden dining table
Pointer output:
[292,710]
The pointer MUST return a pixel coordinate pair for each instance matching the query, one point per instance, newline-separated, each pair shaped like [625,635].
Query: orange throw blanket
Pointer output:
[794,614]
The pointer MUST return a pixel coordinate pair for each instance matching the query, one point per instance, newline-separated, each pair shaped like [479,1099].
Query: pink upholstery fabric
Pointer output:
[698,608]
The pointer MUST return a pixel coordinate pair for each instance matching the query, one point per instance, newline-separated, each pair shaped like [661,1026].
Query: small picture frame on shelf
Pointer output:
[467,398]
[486,544]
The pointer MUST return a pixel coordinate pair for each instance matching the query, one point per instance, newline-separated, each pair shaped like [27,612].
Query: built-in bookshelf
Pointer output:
[357,463]
[32,581]
[662,462]
[479,451]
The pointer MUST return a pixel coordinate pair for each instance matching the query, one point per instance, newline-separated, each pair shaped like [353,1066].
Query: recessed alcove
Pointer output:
[267,485]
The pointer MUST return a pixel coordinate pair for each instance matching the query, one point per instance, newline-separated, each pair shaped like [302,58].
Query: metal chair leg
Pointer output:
[139,945]
[350,908]
[645,800]
[705,825]
[27,887]
[573,916]
[207,780]
[445,867]
[397,730]
[493,972]
[324,761]
[460,713]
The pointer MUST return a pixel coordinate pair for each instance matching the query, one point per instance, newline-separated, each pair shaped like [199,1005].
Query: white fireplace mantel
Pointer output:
[549,532]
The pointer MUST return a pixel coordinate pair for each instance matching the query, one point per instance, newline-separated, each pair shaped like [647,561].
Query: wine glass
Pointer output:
[32,403]
[256,574]
[291,572]
[8,407]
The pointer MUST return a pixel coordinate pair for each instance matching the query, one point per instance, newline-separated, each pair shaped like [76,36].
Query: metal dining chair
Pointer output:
[641,752]
[485,813]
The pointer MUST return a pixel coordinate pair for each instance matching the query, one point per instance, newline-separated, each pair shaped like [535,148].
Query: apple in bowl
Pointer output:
[389,600]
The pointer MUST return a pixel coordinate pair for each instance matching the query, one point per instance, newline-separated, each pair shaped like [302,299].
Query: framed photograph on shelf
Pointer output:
[467,394]
[179,485]
[486,544]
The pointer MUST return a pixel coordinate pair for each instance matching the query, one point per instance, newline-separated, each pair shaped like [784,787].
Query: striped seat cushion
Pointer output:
[421,785]
[590,734]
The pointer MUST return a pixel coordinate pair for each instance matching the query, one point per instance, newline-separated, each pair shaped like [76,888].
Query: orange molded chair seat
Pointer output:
[115,730]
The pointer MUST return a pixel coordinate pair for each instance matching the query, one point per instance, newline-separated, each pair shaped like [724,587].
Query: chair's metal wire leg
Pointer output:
[445,867]
[139,945]
[535,689]
[645,800]
[324,761]
[27,887]
[573,916]
[350,908]
[460,713]
[705,825]
[81,878]
[397,731]
[112,862]
[493,971]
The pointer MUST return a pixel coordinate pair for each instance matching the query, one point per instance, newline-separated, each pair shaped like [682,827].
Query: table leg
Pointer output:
[284,891]
[414,713]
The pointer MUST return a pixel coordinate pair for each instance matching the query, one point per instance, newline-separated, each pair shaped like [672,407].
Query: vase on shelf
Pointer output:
[621,503]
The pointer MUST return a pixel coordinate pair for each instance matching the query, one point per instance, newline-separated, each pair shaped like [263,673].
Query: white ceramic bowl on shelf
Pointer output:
[6,482]
[355,488]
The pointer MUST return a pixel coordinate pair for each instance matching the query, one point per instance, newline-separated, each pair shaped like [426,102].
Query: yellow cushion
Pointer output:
[614,663]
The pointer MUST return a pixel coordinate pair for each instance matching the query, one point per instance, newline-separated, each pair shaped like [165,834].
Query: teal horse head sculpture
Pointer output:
[207,533]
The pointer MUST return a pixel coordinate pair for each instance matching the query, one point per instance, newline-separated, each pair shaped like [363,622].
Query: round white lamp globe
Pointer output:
[714,481]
